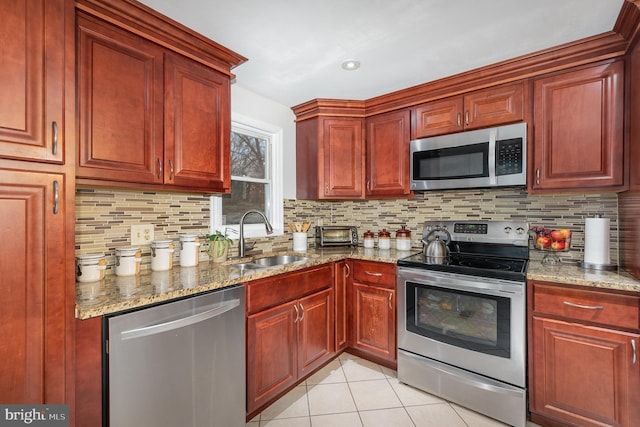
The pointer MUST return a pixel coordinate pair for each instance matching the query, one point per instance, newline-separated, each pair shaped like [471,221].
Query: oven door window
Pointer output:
[466,161]
[468,320]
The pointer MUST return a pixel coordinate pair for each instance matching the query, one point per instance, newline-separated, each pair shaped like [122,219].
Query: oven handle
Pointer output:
[457,281]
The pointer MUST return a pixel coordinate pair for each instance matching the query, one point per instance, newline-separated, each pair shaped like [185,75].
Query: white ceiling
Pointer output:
[295,47]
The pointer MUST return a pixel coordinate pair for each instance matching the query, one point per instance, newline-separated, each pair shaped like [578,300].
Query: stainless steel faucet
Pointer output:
[267,226]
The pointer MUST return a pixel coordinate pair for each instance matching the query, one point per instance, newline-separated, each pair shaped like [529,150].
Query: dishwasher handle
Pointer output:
[180,323]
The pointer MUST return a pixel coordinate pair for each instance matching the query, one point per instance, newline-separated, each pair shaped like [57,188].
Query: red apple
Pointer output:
[558,245]
[557,235]
[543,242]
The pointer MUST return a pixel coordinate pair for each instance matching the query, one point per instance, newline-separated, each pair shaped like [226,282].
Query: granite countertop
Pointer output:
[115,294]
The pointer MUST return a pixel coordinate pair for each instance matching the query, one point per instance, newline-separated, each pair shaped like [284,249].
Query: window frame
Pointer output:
[275,201]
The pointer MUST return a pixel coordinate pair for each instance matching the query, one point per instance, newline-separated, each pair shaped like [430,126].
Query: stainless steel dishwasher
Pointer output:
[179,364]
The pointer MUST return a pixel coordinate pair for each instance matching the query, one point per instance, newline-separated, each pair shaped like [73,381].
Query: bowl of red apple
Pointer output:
[547,239]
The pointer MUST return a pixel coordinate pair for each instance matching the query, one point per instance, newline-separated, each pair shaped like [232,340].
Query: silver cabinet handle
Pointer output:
[348,270]
[159,168]
[56,197]
[54,132]
[373,274]
[295,307]
[538,176]
[390,299]
[466,118]
[633,346]
[302,310]
[170,170]
[459,119]
[587,307]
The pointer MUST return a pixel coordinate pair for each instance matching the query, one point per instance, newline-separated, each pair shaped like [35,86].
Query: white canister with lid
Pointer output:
[128,261]
[161,255]
[189,248]
[403,239]
[384,239]
[90,267]
[369,239]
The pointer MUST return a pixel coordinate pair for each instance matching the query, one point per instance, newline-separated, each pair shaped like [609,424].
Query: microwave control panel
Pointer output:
[509,156]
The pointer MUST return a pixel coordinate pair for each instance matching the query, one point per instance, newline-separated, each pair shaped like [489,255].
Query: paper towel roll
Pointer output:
[596,241]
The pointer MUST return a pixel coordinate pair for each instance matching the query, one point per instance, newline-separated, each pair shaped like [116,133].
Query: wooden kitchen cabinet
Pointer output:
[583,351]
[290,331]
[488,107]
[578,129]
[387,152]
[32,83]
[373,311]
[342,272]
[36,287]
[330,158]
[149,115]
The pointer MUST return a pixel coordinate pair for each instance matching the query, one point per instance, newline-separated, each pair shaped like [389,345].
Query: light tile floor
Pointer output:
[353,392]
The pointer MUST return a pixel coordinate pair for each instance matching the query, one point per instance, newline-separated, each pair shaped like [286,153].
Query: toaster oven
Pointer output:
[336,235]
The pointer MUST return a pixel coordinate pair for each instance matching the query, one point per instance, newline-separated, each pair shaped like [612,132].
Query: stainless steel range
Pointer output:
[461,316]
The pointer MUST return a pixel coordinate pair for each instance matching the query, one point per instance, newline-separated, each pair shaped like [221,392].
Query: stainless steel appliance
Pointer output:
[461,321]
[491,157]
[179,364]
[336,235]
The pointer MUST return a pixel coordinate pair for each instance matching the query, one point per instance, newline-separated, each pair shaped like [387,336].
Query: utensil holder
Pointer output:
[299,241]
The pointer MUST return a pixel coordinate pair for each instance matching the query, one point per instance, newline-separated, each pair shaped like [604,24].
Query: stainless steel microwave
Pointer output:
[493,157]
[336,235]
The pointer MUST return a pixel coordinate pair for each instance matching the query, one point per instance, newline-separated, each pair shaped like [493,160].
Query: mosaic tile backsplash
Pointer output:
[104,216]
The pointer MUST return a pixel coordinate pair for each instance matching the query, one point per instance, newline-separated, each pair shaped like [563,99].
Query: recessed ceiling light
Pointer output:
[350,65]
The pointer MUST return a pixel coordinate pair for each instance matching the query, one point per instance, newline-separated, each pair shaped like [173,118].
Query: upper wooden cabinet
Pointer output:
[32,80]
[149,115]
[488,107]
[387,154]
[578,130]
[330,158]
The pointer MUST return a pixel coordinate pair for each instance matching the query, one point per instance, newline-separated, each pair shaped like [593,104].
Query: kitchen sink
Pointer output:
[278,260]
[246,266]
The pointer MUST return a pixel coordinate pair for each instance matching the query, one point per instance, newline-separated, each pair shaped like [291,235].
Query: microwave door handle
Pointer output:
[492,157]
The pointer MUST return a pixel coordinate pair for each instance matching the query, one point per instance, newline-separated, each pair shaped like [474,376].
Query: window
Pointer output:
[256,180]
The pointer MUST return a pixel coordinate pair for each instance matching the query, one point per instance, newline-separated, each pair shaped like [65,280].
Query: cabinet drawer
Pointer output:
[377,273]
[591,306]
[265,293]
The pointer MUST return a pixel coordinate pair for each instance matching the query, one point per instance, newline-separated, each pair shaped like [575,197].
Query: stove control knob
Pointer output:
[520,230]
[507,229]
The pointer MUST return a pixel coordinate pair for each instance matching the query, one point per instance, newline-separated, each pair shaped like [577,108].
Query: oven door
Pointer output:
[473,323]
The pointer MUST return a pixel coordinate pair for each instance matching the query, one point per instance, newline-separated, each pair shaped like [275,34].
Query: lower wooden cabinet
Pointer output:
[290,331]
[373,311]
[583,373]
[342,271]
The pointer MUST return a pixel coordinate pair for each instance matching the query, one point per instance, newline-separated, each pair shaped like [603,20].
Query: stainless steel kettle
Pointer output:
[435,249]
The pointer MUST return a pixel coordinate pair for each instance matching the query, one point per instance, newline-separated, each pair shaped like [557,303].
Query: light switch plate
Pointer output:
[141,234]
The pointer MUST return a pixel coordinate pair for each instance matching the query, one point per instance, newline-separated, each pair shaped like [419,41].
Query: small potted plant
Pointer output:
[218,246]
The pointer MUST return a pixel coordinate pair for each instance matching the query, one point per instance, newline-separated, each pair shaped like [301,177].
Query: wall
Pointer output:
[104,217]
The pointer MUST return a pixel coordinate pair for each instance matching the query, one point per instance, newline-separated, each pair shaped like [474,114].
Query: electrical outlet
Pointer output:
[141,234]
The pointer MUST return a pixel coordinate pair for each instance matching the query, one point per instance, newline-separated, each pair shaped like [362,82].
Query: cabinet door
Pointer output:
[343,158]
[437,118]
[387,152]
[32,80]
[197,126]
[374,320]
[33,286]
[494,106]
[578,129]
[342,273]
[585,375]
[271,354]
[316,335]
[120,104]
